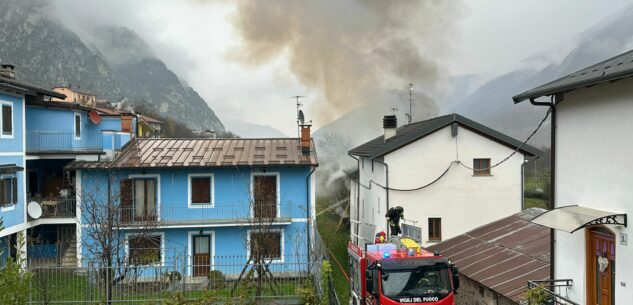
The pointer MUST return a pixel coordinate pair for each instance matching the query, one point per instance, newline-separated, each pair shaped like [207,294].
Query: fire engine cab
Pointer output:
[400,272]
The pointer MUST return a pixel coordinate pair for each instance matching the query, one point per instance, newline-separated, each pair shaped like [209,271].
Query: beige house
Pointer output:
[75,96]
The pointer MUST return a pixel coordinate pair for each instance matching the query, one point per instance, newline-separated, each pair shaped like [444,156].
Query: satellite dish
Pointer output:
[34,209]
[95,118]
[301,117]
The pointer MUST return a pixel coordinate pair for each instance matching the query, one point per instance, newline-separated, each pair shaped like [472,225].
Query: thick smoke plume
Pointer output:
[354,51]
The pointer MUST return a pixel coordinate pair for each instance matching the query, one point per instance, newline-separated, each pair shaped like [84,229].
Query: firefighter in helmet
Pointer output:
[394,215]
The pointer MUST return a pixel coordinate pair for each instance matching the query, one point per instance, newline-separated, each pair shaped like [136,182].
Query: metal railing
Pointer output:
[133,215]
[217,279]
[47,141]
[555,289]
[56,207]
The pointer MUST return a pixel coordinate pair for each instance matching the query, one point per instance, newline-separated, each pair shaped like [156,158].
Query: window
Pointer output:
[201,190]
[138,200]
[265,196]
[266,245]
[435,229]
[8,190]
[481,167]
[144,250]
[77,125]
[7,120]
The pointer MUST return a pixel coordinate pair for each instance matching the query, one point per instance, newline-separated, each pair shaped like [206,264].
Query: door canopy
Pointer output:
[573,218]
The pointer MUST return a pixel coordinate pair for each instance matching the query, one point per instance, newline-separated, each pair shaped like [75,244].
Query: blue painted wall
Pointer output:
[14,215]
[14,144]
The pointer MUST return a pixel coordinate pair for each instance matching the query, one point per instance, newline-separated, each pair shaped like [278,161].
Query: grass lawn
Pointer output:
[336,242]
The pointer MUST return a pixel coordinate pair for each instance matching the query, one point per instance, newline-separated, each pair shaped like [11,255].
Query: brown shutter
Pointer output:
[201,190]
[3,191]
[126,200]
[14,185]
[6,119]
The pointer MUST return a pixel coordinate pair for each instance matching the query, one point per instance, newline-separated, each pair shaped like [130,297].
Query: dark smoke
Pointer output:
[353,52]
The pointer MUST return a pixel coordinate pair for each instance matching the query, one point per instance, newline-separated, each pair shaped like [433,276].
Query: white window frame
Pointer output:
[9,207]
[281,243]
[190,236]
[12,135]
[75,115]
[192,205]
[252,193]
[149,176]
[128,236]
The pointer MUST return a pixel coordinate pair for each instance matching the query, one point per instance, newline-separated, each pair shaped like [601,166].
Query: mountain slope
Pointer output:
[48,54]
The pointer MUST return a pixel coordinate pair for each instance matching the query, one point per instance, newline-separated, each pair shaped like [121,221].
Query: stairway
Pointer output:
[69,255]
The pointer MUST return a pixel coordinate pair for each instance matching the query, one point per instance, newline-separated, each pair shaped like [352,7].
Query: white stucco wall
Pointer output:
[462,200]
[594,166]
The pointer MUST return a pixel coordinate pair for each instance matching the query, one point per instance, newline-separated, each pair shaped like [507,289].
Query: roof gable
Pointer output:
[407,134]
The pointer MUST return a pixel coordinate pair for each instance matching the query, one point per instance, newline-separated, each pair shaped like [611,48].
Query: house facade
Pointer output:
[415,167]
[592,186]
[200,202]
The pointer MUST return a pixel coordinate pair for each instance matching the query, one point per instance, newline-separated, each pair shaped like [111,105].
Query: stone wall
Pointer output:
[473,293]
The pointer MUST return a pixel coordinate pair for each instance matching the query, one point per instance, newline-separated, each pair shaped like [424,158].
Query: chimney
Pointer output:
[390,123]
[7,71]
[304,142]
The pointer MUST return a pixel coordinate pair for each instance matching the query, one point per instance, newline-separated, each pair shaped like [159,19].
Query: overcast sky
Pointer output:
[197,38]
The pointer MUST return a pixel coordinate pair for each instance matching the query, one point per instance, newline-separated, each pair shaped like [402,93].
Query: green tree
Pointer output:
[14,279]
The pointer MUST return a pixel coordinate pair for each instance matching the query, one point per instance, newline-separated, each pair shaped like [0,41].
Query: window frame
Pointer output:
[13,190]
[278,186]
[157,189]
[75,116]
[477,165]
[281,243]
[431,223]
[161,248]
[190,203]
[12,107]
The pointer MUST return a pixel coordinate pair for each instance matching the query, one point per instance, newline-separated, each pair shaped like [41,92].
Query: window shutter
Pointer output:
[3,191]
[14,185]
[126,200]
[7,119]
[77,125]
[201,190]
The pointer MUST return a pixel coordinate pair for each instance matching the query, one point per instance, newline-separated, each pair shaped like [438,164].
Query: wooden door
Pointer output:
[600,267]
[265,196]
[201,255]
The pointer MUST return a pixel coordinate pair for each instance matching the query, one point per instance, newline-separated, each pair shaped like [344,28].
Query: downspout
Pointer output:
[357,196]
[308,208]
[552,105]
[387,191]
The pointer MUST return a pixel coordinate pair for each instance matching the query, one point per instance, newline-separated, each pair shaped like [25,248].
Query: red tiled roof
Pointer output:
[502,255]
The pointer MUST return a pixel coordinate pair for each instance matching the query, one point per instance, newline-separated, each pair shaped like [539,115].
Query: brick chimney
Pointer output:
[390,124]
[304,142]
[7,71]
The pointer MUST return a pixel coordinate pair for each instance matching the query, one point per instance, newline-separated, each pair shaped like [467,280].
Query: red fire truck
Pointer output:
[400,272]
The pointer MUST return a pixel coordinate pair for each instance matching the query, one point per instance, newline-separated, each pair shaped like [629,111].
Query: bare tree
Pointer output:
[108,213]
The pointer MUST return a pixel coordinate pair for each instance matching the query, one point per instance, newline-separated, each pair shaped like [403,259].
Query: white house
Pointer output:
[439,171]
[593,184]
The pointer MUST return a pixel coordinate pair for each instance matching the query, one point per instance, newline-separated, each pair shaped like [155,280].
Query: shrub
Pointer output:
[536,296]
[216,279]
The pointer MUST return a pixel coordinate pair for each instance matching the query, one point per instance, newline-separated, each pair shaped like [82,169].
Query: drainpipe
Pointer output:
[357,196]
[554,99]
[387,191]
[308,208]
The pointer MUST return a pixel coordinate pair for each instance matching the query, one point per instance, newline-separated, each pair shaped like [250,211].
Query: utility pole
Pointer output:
[296,98]
[410,115]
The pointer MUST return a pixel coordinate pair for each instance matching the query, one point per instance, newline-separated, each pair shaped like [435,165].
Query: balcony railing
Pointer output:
[45,141]
[56,207]
[555,289]
[219,214]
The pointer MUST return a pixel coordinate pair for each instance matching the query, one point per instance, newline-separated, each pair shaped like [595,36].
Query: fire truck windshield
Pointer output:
[421,282]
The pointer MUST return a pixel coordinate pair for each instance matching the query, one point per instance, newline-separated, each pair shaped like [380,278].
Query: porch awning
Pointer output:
[10,168]
[573,218]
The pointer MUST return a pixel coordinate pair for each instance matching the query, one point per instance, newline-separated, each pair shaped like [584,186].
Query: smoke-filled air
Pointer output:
[352,52]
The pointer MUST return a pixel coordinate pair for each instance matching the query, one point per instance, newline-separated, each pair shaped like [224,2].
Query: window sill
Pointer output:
[483,175]
[201,205]
[7,208]
[433,241]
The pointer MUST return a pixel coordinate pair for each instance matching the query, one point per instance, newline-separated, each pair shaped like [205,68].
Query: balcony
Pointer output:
[218,215]
[555,289]
[63,142]
[56,207]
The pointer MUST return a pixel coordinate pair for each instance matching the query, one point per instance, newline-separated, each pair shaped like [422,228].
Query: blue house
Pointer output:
[40,135]
[203,202]
[14,98]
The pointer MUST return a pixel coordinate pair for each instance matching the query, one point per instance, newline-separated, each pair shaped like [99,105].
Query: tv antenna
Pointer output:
[394,110]
[410,114]
[300,117]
